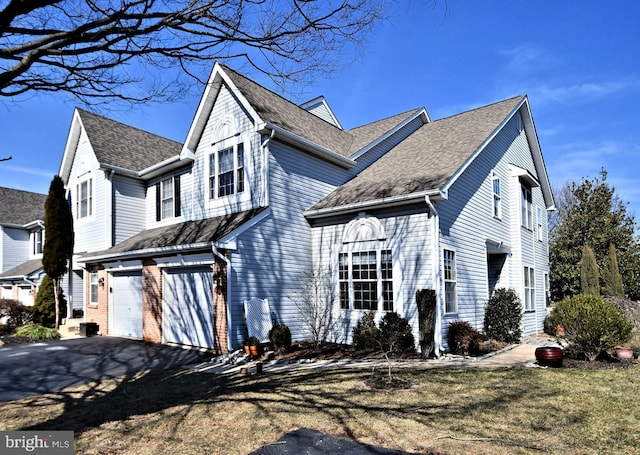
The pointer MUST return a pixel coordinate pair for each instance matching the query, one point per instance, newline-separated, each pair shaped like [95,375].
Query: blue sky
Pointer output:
[579,62]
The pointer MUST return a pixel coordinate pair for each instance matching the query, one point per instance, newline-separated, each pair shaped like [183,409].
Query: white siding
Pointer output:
[128,207]
[467,223]
[14,247]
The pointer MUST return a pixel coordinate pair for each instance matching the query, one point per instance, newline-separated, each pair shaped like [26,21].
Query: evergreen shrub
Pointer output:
[591,325]
[280,337]
[395,334]
[366,334]
[503,315]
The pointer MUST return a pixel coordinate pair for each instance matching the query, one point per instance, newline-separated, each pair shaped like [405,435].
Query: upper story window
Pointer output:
[168,198]
[450,282]
[37,241]
[366,280]
[497,198]
[526,206]
[84,199]
[226,171]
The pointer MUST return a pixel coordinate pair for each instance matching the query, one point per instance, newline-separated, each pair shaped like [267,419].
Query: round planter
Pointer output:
[549,356]
[624,353]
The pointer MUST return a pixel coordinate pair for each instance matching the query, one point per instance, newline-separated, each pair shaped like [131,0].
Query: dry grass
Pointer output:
[449,411]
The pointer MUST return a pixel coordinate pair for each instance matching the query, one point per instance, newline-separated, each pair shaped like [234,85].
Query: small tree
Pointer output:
[611,276]
[589,276]
[315,304]
[44,309]
[58,245]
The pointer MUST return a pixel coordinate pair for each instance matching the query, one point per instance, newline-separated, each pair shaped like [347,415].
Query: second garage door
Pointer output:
[126,306]
[187,313]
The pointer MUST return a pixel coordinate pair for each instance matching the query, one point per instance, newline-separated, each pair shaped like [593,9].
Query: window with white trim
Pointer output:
[37,242]
[168,198]
[93,285]
[366,280]
[497,199]
[226,171]
[84,199]
[526,206]
[529,289]
[540,225]
[450,281]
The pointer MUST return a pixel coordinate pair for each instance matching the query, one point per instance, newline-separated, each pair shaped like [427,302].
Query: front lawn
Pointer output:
[448,411]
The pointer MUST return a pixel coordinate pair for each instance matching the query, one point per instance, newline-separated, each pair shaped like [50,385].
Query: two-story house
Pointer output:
[172,239]
[21,241]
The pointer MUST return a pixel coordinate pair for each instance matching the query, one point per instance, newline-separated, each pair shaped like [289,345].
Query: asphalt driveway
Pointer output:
[31,369]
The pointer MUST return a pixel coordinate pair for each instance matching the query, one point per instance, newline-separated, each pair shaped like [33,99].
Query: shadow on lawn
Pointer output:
[304,392]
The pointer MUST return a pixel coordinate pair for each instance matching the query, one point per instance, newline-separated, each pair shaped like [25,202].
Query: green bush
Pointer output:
[463,338]
[44,310]
[503,315]
[37,332]
[591,325]
[366,334]
[280,337]
[395,334]
[549,326]
[14,314]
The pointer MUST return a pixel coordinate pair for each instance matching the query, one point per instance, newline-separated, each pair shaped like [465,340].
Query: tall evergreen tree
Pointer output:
[589,276]
[591,212]
[58,245]
[612,280]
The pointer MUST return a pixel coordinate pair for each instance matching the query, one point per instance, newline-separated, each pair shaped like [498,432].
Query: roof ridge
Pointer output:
[22,191]
[479,108]
[410,111]
[227,68]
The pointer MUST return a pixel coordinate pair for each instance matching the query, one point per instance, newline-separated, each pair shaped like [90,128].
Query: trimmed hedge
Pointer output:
[395,334]
[280,337]
[503,315]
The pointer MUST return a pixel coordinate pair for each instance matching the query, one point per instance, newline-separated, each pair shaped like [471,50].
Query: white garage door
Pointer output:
[126,304]
[187,312]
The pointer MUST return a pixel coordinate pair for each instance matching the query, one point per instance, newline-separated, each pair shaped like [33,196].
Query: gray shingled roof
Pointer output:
[182,234]
[124,146]
[425,160]
[275,109]
[24,269]
[20,207]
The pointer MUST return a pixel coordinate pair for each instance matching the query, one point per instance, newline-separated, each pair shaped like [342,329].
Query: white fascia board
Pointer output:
[308,146]
[374,204]
[144,253]
[421,113]
[217,78]
[477,152]
[538,159]
[228,242]
[70,147]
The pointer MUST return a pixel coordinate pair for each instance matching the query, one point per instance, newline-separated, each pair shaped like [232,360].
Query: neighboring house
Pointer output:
[172,239]
[21,241]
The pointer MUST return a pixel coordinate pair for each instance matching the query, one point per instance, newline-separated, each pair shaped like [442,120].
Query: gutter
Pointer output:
[146,252]
[436,278]
[315,149]
[373,204]
[227,261]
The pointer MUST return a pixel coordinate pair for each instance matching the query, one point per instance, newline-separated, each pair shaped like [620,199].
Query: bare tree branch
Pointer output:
[97,49]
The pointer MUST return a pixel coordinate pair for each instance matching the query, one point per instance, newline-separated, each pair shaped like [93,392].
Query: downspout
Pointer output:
[265,157]
[435,275]
[227,261]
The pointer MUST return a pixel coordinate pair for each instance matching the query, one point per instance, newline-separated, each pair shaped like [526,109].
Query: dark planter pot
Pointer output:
[549,356]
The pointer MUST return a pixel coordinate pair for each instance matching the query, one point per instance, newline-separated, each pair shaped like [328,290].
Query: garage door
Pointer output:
[126,304]
[187,312]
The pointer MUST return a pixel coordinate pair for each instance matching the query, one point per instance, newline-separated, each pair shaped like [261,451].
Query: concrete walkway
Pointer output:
[520,355]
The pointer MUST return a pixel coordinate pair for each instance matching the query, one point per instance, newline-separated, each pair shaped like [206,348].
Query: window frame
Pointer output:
[497,197]
[451,282]
[529,285]
[37,242]
[176,210]
[94,284]
[526,206]
[236,177]
[369,287]
[84,203]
